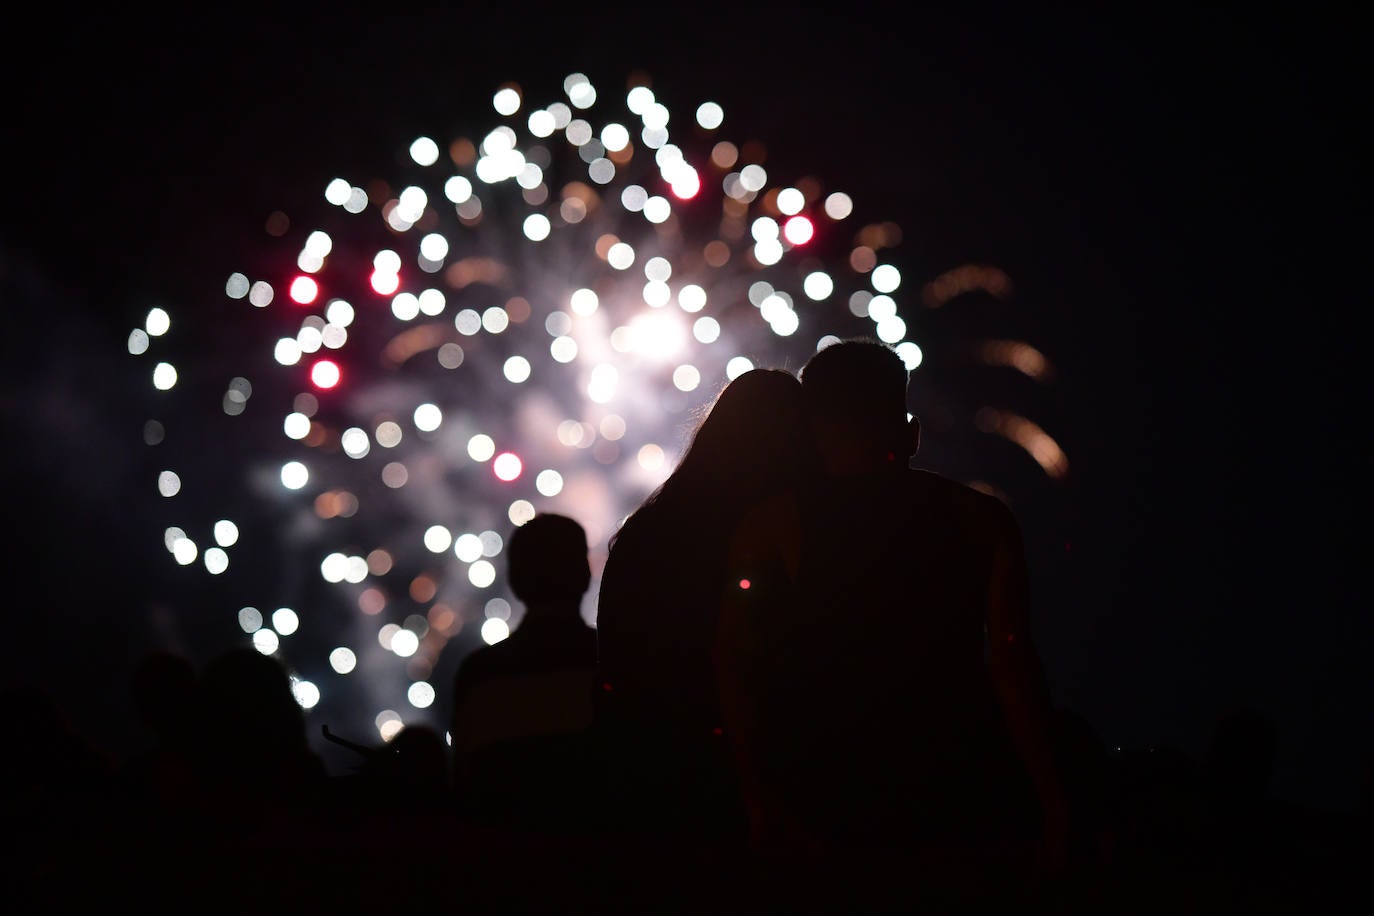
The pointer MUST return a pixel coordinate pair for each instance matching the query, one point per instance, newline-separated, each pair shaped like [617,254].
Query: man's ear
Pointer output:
[913,436]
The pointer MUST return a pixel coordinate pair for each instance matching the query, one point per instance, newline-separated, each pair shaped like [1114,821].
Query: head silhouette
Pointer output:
[253,743]
[855,395]
[249,704]
[750,440]
[547,561]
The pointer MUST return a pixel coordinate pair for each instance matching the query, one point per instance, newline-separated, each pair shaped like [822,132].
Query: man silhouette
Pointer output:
[876,668]
[522,708]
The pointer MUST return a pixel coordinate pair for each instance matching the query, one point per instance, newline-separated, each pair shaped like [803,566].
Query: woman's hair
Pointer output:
[750,443]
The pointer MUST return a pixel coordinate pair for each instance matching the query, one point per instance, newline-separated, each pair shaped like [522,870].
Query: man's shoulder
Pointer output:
[484,661]
[495,660]
[978,508]
[524,652]
[934,481]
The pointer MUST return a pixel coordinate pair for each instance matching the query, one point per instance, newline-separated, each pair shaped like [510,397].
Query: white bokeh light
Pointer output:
[533,313]
[481,447]
[294,475]
[494,629]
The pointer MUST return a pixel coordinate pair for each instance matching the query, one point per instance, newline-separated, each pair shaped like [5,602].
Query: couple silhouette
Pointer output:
[806,642]
[802,643]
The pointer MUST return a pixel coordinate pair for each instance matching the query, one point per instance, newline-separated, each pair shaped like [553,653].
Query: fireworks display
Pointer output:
[524,319]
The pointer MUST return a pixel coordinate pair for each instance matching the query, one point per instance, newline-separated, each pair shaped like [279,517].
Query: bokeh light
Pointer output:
[522,318]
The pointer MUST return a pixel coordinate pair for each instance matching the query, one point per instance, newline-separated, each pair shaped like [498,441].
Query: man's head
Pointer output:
[855,396]
[547,561]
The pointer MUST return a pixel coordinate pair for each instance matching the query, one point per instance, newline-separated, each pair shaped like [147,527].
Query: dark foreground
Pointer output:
[1163,859]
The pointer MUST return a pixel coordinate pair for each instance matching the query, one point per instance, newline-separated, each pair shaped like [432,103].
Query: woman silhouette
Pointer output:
[659,601]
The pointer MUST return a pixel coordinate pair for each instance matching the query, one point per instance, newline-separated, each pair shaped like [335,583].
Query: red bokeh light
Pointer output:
[798,230]
[325,374]
[304,290]
[686,185]
[507,466]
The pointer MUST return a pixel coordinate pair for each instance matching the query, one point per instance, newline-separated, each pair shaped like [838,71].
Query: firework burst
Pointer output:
[524,319]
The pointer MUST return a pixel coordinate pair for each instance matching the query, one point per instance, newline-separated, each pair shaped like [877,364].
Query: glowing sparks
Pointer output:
[966,279]
[1017,354]
[1037,443]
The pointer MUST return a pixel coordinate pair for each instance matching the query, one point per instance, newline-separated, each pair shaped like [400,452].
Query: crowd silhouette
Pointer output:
[811,687]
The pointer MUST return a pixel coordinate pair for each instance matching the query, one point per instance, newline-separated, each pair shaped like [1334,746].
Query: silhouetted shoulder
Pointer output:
[979,513]
[485,663]
[635,540]
[533,649]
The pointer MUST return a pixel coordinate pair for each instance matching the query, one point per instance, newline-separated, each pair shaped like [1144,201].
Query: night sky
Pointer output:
[1169,192]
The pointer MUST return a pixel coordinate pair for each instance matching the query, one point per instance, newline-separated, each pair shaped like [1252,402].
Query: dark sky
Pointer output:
[1169,192]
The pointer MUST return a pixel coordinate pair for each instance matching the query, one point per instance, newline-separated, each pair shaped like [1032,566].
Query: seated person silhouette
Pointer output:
[876,670]
[522,708]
